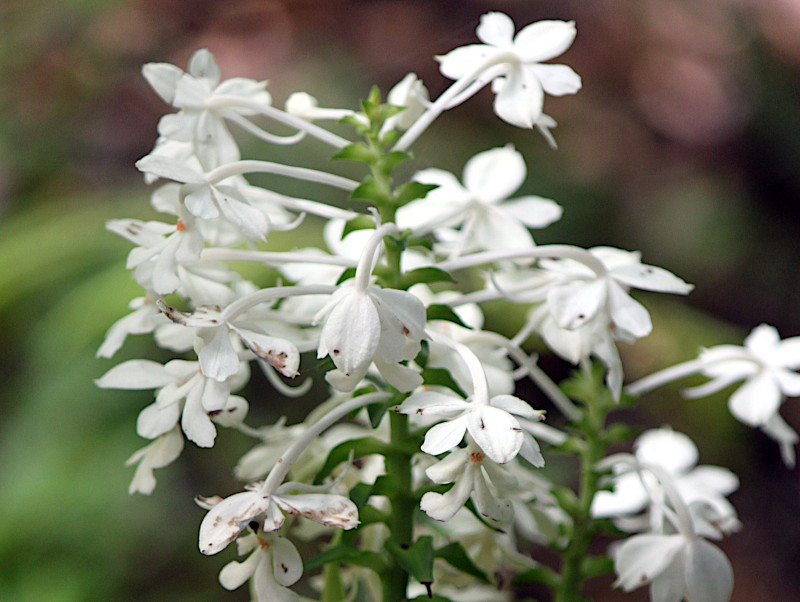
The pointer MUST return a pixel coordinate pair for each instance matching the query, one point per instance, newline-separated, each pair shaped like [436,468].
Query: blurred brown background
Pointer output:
[684,144]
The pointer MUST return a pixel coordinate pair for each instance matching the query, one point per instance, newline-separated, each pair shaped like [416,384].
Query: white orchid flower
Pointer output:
[480,206]
[163,451]
[519,77]
[201,119]
[471,471]
[273,565]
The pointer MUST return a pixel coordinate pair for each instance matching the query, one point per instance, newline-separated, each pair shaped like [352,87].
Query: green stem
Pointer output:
[584,527]
[401,521]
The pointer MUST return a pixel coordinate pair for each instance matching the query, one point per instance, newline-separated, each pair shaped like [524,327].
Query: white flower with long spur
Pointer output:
[491,424]
[471,471]
[767,365]
[219,358]
[273,565]
[365,324]
[676,455]
[184,393]
[519,79]
[158,454]
[411,94]
[480,206]
[201,119]
[167,246]
[677,567]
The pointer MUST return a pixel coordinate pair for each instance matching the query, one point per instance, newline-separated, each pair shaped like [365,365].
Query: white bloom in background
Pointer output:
[411,94]
[158,454]
[676,566]
[229,517]
[699,487]
[273,565]
[471,471]
[166,246]
[519,78]
[210,200]
[201,120]
[493,428]
[383,326]
[480,206]
[766,364]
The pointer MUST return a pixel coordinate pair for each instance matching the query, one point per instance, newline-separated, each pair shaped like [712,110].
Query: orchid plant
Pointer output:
[421,473]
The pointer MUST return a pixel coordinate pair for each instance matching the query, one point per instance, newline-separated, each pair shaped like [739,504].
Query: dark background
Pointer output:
[684,144]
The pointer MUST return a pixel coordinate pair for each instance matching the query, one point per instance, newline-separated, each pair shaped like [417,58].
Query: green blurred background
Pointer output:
[684,144]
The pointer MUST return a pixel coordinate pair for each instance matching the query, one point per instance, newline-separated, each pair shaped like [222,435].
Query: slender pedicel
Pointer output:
[238,168]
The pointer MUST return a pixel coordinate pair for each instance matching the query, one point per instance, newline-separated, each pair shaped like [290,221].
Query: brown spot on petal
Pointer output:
[405,331]
[336,352]
[180,226]
[476,457]
[284,568]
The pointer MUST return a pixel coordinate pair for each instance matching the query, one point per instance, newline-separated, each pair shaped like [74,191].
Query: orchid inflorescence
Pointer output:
[434,420]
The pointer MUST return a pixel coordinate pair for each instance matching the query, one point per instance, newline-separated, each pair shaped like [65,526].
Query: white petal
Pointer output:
[763,339]
[403,309]
[462,60]
[218,359]
[252,222]
[135,374]
[495,174]
[515,405]
[643,557]
[544,40]
[493,229]
[445,436]
[233,413]
[327,509]
[628,497]
[574,305]
[433,403]
[203,65]
[235,574]
[444,506]
[287,565]
[488,504]
[628,314]
[163,78]
[709,576]
[154,420]
[267,589]
[201,204]
[672,451]
[170,169]
[495,29]
[448,468]
[556,80]
[225,521]
[757,400]
[777,429]
[158,454]
[280,353]
[650,278]
[533,211]
[531,451]
[496,432]
[401,377]
[352,332]
[519,101]
[195,421]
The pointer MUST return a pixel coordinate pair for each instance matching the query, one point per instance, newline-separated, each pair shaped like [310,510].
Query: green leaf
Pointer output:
[431,598]
[360,447]
[443,312]
[426,276]
[416,560]
[441,377]
[538,574]
[368,191]
[411,191]
[424,352]
[456,556]
[618,433]
[359,152]
[377,411]
[391,160]
[347,555]
[566,498]
[360,222]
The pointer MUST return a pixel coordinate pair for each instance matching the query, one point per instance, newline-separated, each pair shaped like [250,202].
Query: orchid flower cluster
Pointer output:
[434,485]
